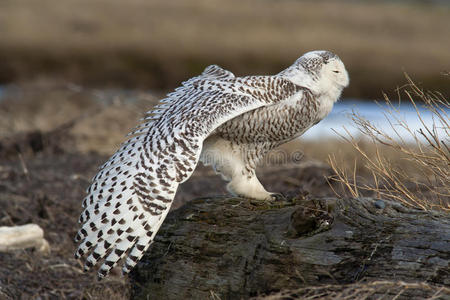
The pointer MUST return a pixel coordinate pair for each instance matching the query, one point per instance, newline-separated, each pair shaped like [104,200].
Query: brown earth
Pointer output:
[53,136]
[45,185]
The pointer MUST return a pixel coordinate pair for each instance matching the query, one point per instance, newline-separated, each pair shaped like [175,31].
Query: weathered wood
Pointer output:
[235,249]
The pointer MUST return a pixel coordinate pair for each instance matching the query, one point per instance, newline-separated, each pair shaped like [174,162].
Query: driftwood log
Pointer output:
[232,248]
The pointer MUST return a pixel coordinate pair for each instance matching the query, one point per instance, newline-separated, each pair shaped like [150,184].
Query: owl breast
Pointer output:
[277,124]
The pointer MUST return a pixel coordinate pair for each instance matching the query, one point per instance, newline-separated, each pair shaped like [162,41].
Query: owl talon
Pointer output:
[277,197]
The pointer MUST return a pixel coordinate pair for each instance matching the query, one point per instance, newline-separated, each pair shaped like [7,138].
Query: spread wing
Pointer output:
[213,72]
[132,193]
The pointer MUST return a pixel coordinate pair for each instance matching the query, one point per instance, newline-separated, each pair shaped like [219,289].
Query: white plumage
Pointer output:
[226,121]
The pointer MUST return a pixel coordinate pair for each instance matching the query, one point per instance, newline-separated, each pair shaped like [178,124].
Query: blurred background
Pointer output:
[76,75]
[156,44]
[75,53]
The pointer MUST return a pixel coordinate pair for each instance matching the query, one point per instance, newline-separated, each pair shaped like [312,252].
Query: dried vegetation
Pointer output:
[382,289]
[422,177]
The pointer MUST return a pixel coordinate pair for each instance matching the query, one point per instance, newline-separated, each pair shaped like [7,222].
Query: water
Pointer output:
[339,119]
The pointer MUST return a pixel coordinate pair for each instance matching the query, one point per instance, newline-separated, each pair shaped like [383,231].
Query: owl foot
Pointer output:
[276,197]
[272,200]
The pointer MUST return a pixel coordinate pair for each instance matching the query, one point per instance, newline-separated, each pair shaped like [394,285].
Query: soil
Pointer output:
[43,181]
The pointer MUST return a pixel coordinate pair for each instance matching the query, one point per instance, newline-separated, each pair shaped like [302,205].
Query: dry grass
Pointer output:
[367,290]
[425,184]
[159,43]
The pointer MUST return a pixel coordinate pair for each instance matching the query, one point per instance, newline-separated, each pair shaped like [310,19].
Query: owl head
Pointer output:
[321,71]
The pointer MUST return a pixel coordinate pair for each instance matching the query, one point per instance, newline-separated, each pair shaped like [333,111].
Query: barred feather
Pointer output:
[133,191]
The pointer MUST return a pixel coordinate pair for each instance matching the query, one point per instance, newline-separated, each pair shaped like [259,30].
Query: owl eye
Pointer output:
[336,71]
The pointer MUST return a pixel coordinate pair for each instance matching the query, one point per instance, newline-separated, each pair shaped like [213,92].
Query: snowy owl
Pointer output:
[226,121]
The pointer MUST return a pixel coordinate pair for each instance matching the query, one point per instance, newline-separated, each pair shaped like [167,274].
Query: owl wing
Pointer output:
[132,193]
[177,98]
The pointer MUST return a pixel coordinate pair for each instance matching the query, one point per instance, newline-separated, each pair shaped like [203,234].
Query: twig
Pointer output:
[24,166]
